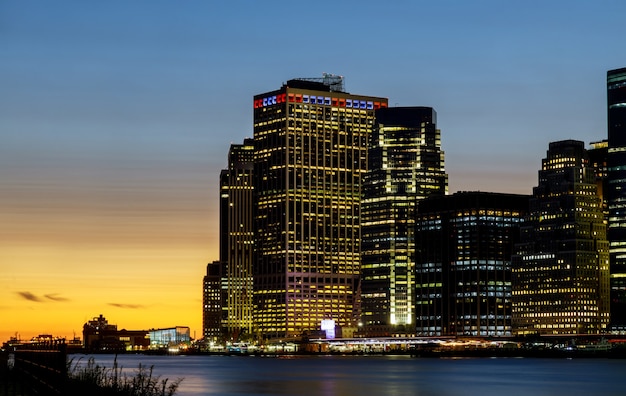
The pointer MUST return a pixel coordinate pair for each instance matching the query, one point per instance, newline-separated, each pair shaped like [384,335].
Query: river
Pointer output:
[379,375]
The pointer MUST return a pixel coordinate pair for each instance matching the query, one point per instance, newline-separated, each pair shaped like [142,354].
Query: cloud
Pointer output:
[26,295]
[55,297]
[128,306]
[29,296]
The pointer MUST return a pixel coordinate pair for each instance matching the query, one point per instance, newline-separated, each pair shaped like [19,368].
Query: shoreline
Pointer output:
[614,353]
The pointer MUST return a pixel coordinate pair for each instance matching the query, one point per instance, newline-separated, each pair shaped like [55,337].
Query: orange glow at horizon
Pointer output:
[137,257]
[136,289]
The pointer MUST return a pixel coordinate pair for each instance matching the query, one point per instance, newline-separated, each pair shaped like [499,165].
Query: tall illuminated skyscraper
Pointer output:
[616,194]
[406,164]
[311,154]
[237,240]
[561,265]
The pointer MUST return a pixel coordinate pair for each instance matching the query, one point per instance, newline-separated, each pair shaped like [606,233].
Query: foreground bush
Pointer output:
[95,380]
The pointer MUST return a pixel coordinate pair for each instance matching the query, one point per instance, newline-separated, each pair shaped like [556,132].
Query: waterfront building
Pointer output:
[405,164]
[616,194]
[561,265]
[212,302]
[311,142]
[237,241]
[100,336]
[464,244]
[169,337]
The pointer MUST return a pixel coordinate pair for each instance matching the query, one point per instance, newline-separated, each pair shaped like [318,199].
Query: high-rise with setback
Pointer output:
[310,158]
[406,164]
[237,241]
[561,265]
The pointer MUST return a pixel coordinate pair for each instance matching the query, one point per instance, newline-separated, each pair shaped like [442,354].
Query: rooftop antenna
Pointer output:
[333,81]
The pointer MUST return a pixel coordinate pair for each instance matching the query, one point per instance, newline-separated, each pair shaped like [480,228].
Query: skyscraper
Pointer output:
[311,154]
[598,156]
[561,265]
[212,302]
[616,194]
[236,251]
[464,243]
[406,164]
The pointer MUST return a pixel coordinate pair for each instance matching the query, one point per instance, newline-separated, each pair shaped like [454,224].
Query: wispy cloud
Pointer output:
[127,306]
[29,296]
[26,295]
[55,297]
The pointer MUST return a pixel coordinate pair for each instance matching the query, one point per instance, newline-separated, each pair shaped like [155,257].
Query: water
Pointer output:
[380,375]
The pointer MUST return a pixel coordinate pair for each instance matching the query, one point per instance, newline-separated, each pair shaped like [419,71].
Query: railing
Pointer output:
[42,367]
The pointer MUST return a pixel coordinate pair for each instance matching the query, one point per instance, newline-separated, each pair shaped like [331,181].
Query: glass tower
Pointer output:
[616,194]
[406,164]
[464,243]
[310,157]
[561,265]
[236,251]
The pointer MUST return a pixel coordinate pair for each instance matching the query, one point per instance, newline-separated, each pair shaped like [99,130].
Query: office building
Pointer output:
[405,164]
[237,241]
[310,141]
[464,244]
[616,194]
[212,302]
[561,265]
[598,153]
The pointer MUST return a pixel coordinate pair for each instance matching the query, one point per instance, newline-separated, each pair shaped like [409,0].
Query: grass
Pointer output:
[96,380]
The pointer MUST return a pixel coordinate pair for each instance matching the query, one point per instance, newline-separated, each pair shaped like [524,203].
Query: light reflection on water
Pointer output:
[380,375]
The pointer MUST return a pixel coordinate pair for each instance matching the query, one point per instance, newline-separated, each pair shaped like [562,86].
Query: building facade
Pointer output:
[598,153]
[310,157]
[212,297]
[236,252]
[169,337]
[100,336]
[464,244]
[561,265]
[616,194]
[405,164]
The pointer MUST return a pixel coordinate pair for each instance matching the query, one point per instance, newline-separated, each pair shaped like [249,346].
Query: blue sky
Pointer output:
[116,116]
[173,81]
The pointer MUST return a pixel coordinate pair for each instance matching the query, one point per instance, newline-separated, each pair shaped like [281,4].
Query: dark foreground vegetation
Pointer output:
[83,378]
[93,379]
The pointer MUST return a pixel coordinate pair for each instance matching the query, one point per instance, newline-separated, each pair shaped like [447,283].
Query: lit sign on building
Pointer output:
[318,100]
[328,326]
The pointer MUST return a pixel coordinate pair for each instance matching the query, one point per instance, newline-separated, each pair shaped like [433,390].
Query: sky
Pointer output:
[116,118]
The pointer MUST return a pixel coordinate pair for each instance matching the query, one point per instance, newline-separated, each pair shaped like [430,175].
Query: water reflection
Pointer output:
[399,375]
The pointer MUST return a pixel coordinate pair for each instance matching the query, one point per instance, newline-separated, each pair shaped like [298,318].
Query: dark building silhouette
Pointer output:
[212,302]
[405,164]
[464,244]
[561,265]
[616,194]
[100,336]
[310,140]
